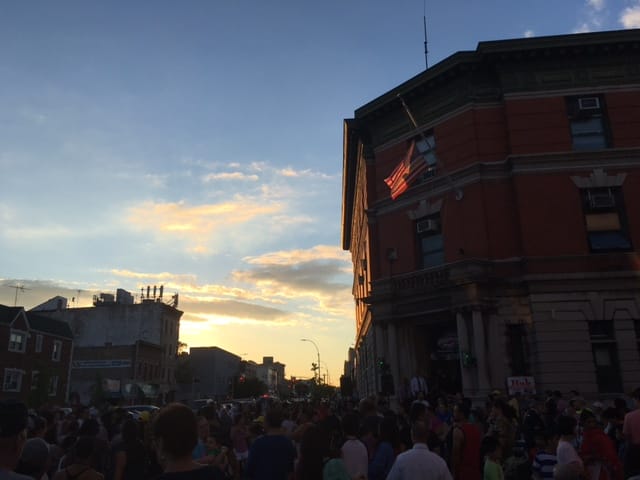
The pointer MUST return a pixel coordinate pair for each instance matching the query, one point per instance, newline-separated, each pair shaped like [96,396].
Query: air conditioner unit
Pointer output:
[602,200]
[589,103]
[426,226]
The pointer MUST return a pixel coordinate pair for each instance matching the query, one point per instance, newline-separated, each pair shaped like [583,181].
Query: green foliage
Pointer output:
[183,371]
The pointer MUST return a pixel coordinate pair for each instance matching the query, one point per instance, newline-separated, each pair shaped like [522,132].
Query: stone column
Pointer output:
[463,344]
[484,386]
[380,350]
[392,359]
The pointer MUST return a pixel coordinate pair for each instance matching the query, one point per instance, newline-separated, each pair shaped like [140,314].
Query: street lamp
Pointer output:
[318,352]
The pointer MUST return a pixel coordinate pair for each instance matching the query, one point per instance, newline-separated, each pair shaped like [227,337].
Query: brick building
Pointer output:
[129,347]
[510,249]
[35,355]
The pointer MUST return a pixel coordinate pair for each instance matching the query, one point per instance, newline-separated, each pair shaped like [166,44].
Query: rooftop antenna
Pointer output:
[22,288]
[424,23]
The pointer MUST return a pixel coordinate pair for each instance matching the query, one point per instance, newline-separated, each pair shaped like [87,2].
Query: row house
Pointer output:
[35,355]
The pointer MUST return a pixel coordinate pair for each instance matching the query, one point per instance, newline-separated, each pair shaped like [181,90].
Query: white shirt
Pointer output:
[419,463]
[356,458]
[567,454]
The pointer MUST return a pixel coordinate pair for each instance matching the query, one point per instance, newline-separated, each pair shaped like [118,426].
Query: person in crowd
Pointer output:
[492,452]
[369,425]
[384,456]
[532,422]
[354,451]
[34,459]
[240,441]
[101,457]
[465,449]
[502,425]
[631,432]
[13,435]
[130,457]
[271,456]
[597,450]
[175,430]
[200,450]
[419,463]
[566,454]
[314,448]
[80,467]
[545,459]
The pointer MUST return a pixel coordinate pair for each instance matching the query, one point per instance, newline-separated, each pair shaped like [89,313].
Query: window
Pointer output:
[17,341]
[605,356]
[430,243]
[605,219]
[38,343]
[53,385]
[426,146]
[518,350]
[57,350]
[587,122]
[35,378]
[12,380]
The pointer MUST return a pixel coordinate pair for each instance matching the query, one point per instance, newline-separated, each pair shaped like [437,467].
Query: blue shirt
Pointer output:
[271,457]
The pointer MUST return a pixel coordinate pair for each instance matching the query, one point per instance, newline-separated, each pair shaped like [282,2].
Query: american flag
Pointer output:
[406,172]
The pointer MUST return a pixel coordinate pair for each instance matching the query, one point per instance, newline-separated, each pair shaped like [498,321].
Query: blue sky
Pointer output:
[198,144]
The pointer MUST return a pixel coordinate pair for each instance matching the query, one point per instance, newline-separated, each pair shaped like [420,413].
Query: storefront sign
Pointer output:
[101,364]
[523,385]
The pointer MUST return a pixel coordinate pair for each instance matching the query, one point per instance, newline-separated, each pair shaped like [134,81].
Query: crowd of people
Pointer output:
[439,437]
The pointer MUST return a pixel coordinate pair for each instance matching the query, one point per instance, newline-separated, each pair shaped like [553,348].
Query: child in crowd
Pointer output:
[492,454]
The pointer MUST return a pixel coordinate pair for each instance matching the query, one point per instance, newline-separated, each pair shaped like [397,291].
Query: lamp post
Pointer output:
[318,352]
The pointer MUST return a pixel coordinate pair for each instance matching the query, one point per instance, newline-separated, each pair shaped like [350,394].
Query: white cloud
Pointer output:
[229,176]
[630,17]
[307,173]
[528,33]
[597,5]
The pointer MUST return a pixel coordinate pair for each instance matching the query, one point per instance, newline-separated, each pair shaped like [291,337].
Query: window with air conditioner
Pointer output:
[430,241]
[588,123]
[605,220]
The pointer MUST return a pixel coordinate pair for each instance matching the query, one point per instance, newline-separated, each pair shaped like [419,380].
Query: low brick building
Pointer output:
[35,357]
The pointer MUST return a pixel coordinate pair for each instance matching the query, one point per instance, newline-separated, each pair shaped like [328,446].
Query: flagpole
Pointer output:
[424,22]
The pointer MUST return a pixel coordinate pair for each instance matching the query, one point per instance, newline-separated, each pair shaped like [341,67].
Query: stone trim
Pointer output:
[599,179]
[425,209]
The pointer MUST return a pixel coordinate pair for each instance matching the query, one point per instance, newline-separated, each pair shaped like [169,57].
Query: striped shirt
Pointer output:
[543,464]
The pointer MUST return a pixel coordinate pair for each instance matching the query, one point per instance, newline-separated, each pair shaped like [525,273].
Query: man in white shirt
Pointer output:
[419,463]
[354,452]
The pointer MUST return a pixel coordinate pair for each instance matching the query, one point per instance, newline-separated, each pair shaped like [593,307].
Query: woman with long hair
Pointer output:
[130,455]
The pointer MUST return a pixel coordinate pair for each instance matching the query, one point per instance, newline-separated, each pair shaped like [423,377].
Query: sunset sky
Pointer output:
[198,145]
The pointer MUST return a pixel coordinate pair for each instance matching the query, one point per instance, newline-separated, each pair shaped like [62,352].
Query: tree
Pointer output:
[245,387]
[184,370]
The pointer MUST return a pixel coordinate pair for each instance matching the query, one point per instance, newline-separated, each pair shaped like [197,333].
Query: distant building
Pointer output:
[270,373]
[491,205]
[35,357]
[129,347]
[214,371]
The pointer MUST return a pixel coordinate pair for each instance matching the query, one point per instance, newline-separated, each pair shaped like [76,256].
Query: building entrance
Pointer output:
[443,359]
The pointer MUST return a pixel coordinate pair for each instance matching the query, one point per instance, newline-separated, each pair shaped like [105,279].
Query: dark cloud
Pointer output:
[233,308]
[316,276]
[36,292]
